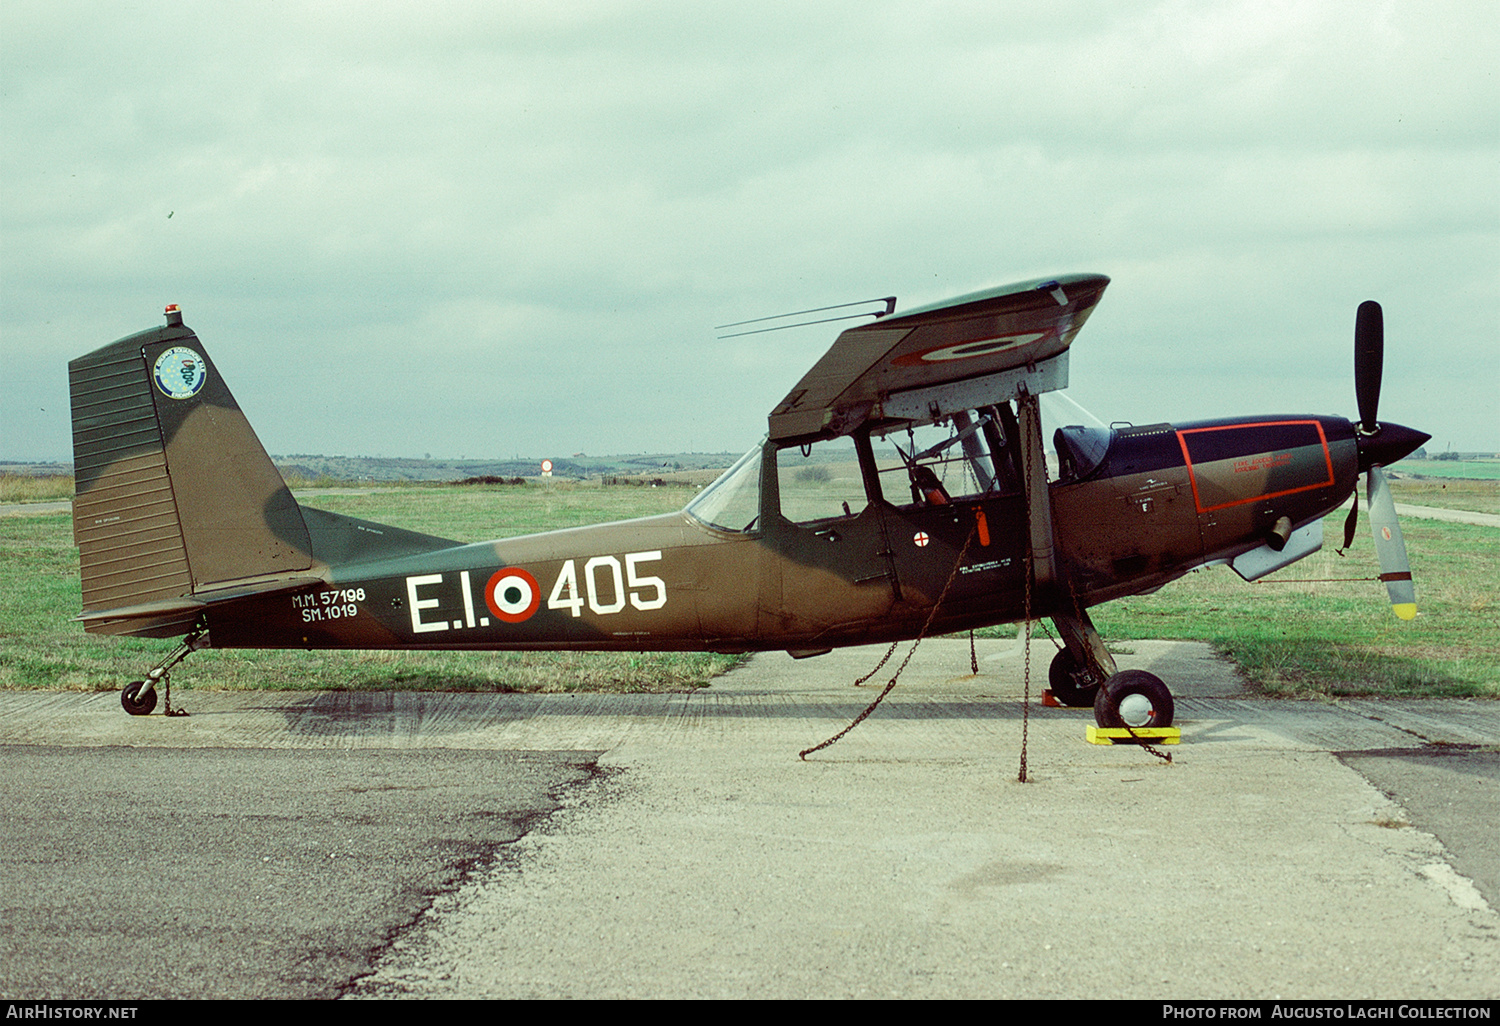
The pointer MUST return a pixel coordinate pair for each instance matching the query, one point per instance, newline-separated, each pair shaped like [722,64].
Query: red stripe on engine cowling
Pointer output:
[1193,477]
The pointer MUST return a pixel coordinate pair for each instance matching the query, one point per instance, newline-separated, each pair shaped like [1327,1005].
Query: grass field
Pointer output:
[1484,470]
[1477,495]
[1310,631]
[35,488]
[1305,631]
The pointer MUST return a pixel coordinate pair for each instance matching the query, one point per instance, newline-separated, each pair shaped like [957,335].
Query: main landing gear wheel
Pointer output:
[1134,698]
[1071,683]
[136,702]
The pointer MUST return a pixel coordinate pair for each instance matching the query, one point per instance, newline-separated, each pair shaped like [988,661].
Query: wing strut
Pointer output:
[1034,479]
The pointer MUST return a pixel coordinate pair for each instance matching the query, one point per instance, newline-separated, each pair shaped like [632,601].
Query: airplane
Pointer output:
[902,488]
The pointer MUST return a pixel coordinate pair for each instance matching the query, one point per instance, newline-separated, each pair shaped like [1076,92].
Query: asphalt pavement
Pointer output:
[461,845]
[161,873]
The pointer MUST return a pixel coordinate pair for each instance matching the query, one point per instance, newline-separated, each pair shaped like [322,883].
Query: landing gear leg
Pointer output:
[1083,665]
[139,696]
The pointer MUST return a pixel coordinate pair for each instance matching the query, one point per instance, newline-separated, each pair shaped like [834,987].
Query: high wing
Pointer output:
[958,354]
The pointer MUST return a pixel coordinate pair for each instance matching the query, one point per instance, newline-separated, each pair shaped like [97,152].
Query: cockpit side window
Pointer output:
[934,464]
[820,481]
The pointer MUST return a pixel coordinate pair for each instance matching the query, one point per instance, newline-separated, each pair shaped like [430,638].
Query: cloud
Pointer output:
[562,199]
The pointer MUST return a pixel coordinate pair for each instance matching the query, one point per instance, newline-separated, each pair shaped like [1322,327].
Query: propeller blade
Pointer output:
[1395,570]
[1369,353]
[1350,523]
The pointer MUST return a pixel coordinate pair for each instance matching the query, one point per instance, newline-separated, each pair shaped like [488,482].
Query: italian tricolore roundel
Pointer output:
[180,372]
[512,594]
[969,350]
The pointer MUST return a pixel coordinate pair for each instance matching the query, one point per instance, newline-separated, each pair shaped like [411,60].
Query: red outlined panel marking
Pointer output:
[1246,450]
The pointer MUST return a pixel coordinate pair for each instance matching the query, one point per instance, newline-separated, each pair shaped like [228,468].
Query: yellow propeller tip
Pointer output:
[1406,610]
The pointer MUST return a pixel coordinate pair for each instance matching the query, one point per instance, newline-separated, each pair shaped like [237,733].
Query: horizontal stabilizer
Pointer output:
[173,608]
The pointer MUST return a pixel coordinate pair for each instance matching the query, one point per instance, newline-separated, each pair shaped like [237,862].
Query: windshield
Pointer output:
[733,501]
[1060,410]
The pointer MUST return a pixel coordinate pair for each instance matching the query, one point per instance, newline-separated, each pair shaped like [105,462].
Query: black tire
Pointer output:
[135,703]
[1063,677]
[1134,698]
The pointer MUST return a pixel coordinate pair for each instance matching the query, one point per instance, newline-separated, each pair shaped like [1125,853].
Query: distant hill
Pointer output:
[578,467]
[688,467]
[35,468]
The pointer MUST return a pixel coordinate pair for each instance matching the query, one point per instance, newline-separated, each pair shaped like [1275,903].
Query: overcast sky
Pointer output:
[497,228]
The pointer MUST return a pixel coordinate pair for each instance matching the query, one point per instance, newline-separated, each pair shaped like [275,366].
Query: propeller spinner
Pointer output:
[1380,445]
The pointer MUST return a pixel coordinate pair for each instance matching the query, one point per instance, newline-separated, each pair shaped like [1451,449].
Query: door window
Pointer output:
[936,464]
[820,481]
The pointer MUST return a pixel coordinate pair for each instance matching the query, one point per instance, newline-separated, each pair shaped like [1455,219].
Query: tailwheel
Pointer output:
[1134,698]
[138,698]
[1073,683]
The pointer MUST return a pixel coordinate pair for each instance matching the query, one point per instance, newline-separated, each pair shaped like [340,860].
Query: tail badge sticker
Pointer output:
[180,373]
[512,594]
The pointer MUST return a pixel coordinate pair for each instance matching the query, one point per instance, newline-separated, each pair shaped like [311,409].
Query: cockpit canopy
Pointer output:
[1080,449]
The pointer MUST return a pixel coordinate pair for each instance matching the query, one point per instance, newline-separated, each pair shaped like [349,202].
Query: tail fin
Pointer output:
[175,494]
